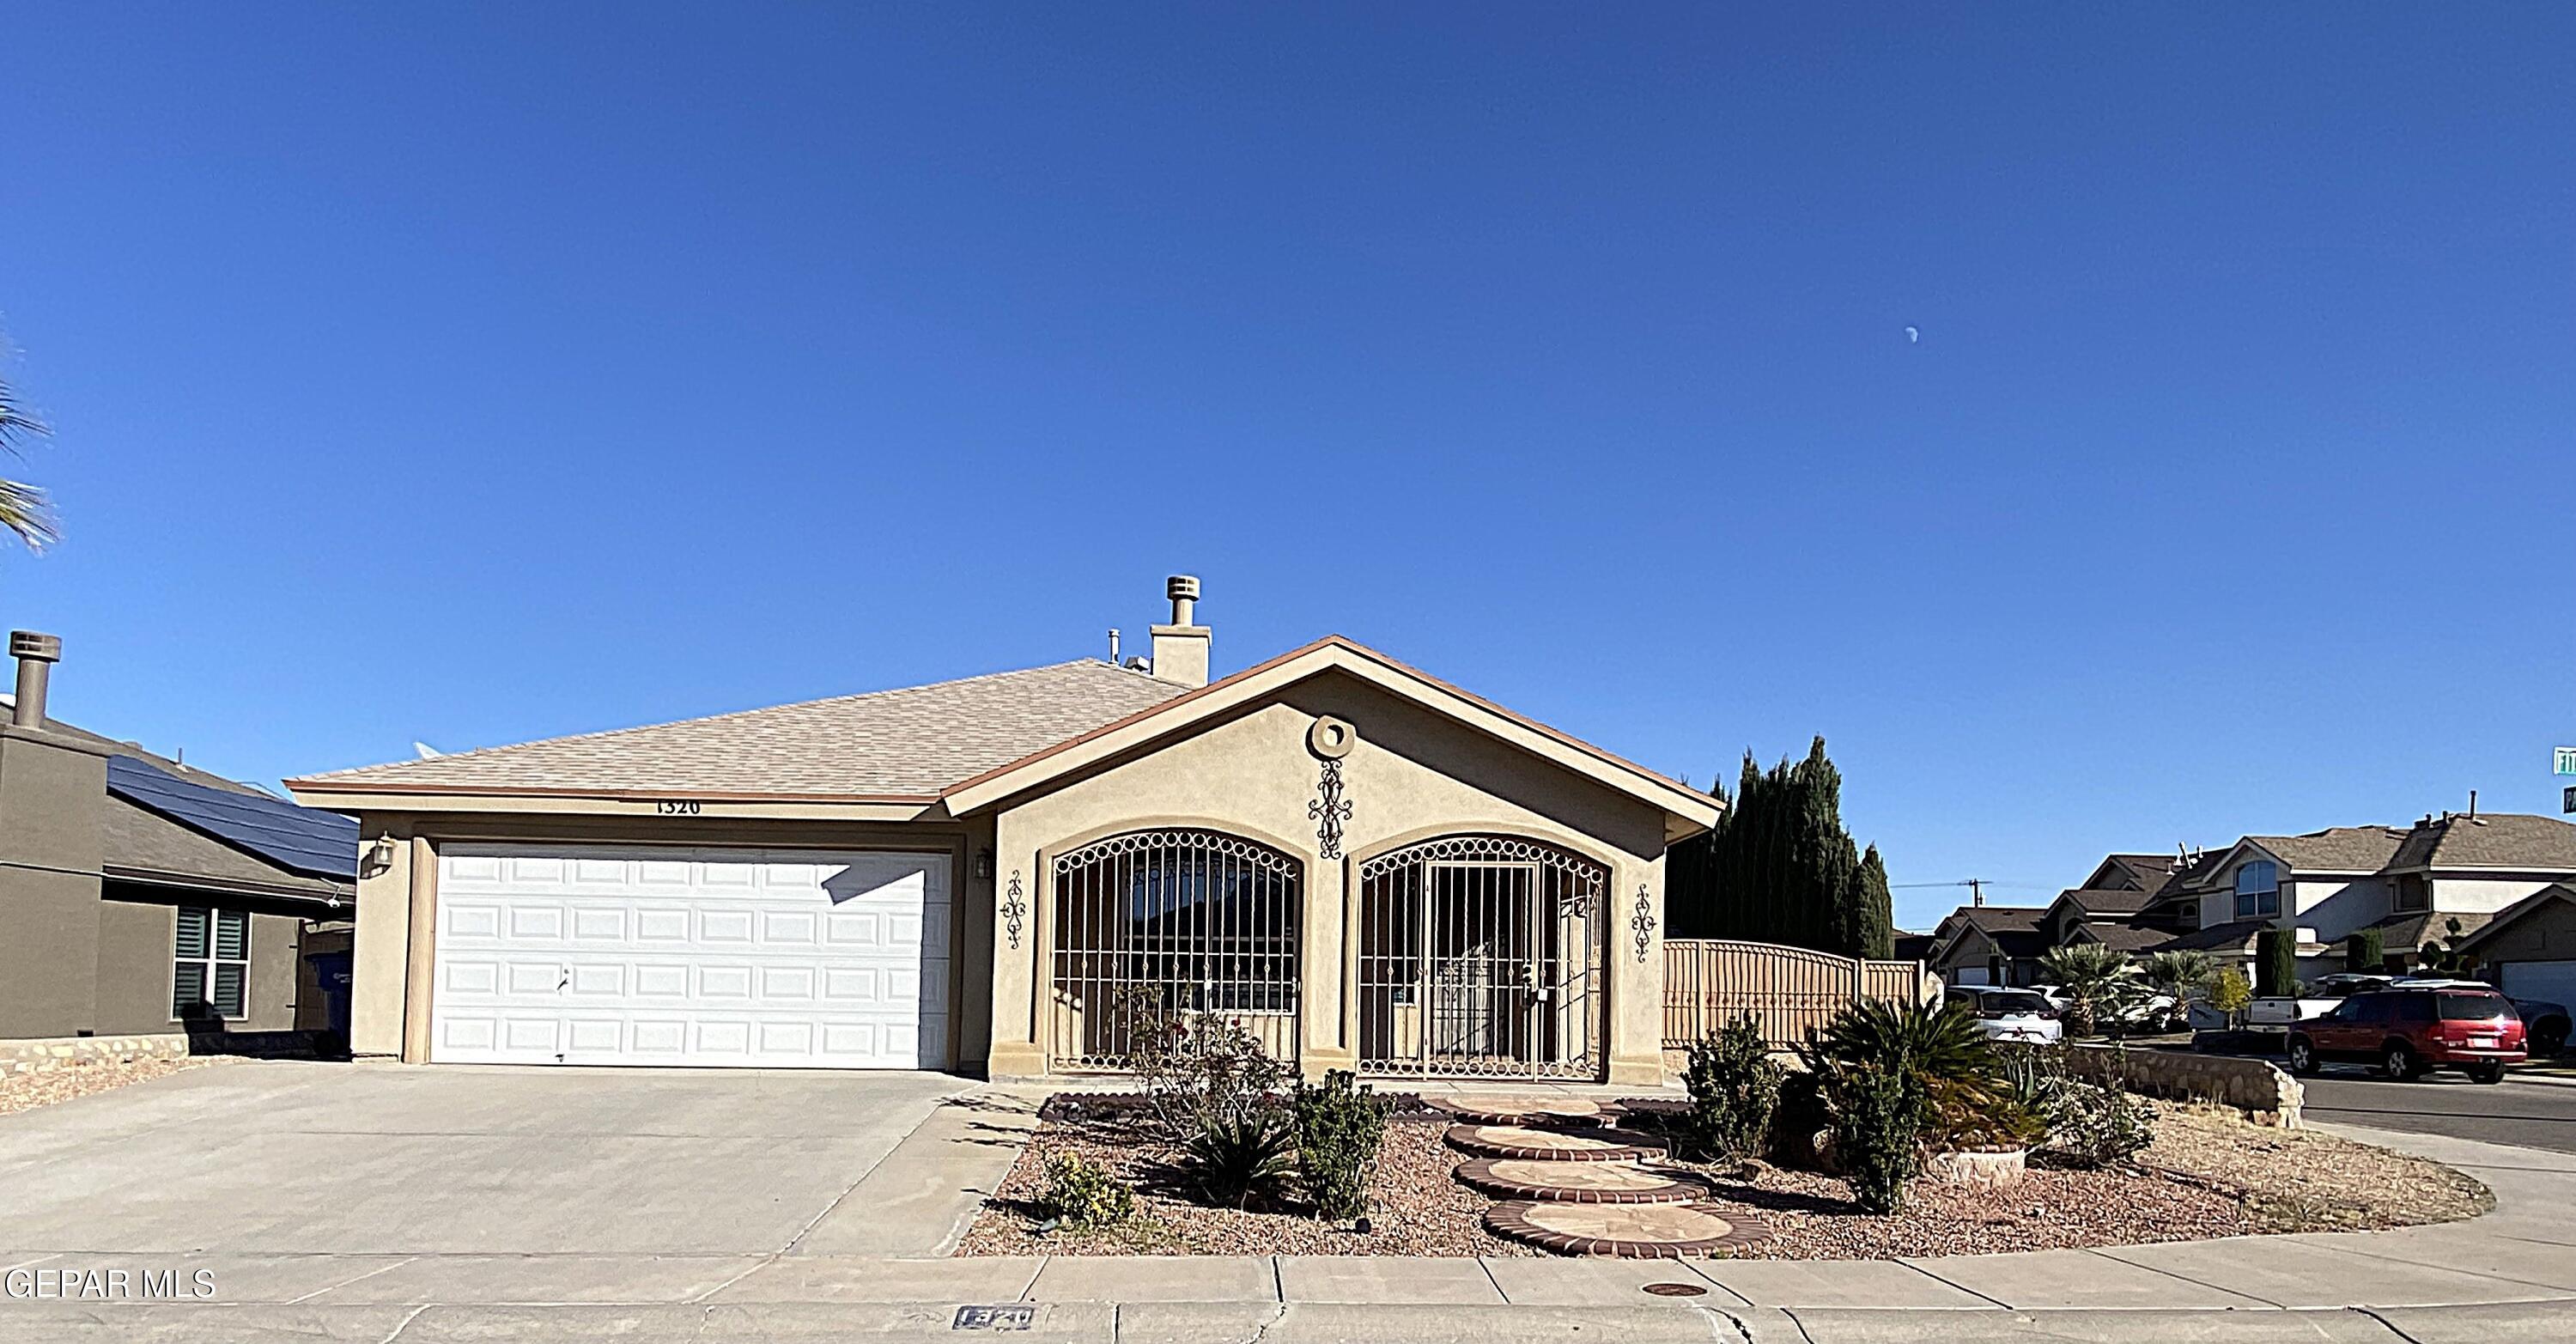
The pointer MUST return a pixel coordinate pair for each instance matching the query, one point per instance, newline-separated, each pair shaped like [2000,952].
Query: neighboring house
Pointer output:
[1015,873]
[140,896]
[2529,947]
[2409,883]
[1990,945]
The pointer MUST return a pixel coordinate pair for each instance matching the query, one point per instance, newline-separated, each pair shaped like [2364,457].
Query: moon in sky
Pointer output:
[1913,336]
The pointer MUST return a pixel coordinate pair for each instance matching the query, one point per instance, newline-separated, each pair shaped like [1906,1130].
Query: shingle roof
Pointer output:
[2498,840]
[2147,871]
[2336,849]
[2233,936]
[901,744]
[2130,937]
[2096,901]
[2409,932]
[142,845]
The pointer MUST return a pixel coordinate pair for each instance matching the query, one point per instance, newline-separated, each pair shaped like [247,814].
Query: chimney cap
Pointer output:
[30,644]
[1181,586]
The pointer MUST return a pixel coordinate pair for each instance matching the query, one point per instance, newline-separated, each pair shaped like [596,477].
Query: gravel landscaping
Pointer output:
[2208,1174]
[27,1091]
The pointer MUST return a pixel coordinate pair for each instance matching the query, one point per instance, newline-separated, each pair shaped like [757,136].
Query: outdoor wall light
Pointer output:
[380,855]
[983,863]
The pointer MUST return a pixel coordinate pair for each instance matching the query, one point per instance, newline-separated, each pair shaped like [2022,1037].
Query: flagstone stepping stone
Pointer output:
[1583,1182]
[1634,1231]
[1533,1110]
[1559,1145]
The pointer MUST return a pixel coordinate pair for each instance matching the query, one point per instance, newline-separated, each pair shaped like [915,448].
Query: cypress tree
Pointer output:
[1780,868]
[2364,951]
[2276,962]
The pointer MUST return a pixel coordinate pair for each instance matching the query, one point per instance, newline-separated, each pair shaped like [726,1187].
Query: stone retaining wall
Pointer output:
[2255,1086]
[66,1052]
[40,1054]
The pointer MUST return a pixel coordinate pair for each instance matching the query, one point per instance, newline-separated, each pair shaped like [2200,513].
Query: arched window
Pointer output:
[2258,890]
[1153,923]
[1481,955]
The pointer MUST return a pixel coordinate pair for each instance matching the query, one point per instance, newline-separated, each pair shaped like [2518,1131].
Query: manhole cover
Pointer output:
[1676,1290]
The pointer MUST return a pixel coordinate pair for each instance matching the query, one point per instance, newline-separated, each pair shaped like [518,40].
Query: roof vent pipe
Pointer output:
[1181,648]
[1113,646]
[36,655]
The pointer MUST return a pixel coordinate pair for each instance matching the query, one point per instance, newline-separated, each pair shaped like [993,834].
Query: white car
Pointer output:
[2010,1014]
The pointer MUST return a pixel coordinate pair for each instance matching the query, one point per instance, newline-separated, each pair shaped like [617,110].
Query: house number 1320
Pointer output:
[671,807]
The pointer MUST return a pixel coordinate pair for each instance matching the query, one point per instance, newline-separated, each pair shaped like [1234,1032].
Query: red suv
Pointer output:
[2406,1031]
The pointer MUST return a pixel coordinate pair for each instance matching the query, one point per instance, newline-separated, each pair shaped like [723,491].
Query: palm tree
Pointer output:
[24,510]
[2180,974]
[2098,980]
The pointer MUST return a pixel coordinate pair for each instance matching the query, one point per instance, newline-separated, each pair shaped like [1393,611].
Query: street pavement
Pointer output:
[473,1209]
[2526,1114]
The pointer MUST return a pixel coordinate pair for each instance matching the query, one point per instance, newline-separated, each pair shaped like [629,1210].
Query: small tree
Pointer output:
[1734,1088]
[2276,963]
[2363,953]
[2228,992]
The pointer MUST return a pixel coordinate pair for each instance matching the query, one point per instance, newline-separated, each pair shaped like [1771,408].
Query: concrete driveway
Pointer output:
[301,1158]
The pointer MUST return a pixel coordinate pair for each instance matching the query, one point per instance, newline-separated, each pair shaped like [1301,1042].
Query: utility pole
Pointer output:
[1976,891]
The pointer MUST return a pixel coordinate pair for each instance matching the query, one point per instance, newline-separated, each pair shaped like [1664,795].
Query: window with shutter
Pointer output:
[210,964]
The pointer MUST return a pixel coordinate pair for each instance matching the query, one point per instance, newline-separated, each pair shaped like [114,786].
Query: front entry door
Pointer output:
[1479,958]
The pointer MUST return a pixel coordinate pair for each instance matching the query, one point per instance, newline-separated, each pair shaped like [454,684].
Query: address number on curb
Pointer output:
[1015,1316]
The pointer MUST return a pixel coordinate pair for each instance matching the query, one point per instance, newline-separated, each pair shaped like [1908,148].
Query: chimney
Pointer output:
[1181,648]
[36,655]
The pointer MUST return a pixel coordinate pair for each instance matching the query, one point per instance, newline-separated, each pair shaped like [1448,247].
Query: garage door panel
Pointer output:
[725,957]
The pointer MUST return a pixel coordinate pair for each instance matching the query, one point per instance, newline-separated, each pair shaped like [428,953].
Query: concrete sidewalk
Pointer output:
[873,1265]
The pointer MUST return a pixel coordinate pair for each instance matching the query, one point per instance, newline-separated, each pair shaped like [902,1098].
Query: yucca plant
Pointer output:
[1234,1157]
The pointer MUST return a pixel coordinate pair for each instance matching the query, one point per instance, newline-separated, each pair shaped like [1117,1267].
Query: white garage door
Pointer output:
[706,957]
[2551,981]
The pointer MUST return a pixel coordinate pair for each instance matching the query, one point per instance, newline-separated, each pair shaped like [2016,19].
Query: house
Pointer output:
[1989,945]
[2406,882]
[1014,874]
[2529,947]
[2121,904]
[144,897]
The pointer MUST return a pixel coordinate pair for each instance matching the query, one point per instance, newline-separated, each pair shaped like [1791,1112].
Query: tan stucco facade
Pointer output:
[1420,768]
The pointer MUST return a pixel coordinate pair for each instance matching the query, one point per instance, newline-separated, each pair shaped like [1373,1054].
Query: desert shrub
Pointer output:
[1340,1127]
[1235,1157]
[2092,1126]
[1734,1090]
[2075,1123]
[2100,982]
[1877,1128]
[1198,1066]
[1084,1194]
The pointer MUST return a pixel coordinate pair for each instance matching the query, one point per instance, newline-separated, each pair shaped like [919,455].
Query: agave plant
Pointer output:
[1232,1157]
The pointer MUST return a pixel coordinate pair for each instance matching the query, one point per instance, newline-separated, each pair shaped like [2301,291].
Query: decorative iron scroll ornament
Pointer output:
[1014,910]
[1643,923]
[1331,810]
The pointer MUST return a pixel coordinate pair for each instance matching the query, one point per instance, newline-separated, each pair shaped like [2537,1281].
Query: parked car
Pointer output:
[2010,1014]
[2405,1031]
[2345,984]
[2544,1023]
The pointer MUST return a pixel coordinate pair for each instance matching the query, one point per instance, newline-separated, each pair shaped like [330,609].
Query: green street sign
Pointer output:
[2567,799]
[2567,760]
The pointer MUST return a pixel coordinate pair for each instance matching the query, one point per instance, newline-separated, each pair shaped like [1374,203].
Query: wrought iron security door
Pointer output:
[1481,956]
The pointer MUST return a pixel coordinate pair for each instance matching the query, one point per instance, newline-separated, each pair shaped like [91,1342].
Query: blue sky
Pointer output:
[473,374]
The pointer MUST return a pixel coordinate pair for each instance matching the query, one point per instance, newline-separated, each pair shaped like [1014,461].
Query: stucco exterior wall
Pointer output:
[2482,895]
[2546,934]
[50,838]
[1412,775]
[2331,906]
[135,949]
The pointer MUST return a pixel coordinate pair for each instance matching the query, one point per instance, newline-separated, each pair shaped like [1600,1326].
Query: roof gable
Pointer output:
[1691,809]
[903,745]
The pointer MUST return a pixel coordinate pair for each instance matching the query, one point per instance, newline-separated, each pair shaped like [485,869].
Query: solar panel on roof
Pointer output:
[323,844]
